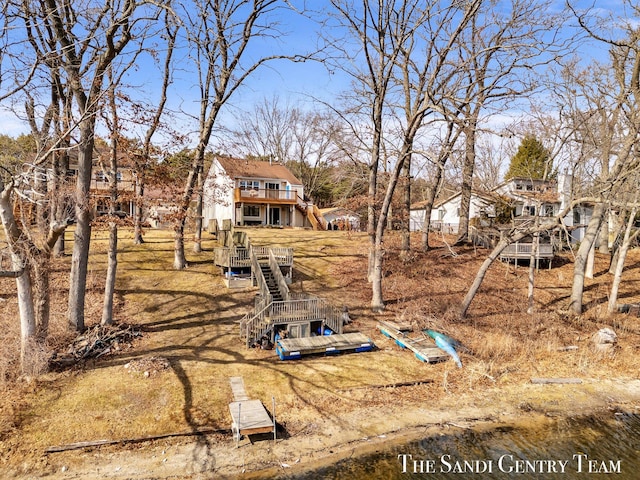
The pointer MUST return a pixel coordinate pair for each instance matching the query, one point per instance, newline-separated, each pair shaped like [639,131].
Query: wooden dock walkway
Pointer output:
[295,348]
[422,346]
[248,416]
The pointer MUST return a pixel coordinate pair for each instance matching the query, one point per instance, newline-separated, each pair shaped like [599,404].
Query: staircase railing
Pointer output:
[319,218]
[253,326]
[283,288]
[260,280]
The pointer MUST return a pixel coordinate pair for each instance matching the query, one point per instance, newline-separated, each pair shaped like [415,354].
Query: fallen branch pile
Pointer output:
[98,341]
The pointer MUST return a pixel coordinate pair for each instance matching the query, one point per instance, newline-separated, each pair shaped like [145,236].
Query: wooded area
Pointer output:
[428,81]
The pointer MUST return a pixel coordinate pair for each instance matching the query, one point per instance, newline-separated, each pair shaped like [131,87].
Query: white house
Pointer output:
[445,214]
[525,195]
[250,192]
[338,218]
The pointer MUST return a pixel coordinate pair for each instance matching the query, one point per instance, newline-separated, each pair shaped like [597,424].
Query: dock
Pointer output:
[295,348]
[422,345]
[248,416]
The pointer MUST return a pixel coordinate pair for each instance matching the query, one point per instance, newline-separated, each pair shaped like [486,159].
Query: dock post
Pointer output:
[236,434]
[273,399]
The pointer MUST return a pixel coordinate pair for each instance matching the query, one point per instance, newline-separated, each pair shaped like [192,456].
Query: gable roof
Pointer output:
[488,197]
[244,168]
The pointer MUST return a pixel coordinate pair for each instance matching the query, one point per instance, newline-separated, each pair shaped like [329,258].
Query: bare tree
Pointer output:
[151,116]
[219,33]
[622,254]
[385,32]
[85,43]
[625,64]
[502,45]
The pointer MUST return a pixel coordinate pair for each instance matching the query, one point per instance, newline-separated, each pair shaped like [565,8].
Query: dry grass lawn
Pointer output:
[190,319]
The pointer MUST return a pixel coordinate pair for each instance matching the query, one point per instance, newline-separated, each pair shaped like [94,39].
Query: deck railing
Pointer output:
[254,325]
[266,194]
[284,255]
[232,257]
[523,250]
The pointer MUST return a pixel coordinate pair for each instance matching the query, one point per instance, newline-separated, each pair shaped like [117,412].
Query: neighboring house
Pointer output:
[445,214]
[526,196]
[249,192]
[100,189]
[338,218]
[126,191]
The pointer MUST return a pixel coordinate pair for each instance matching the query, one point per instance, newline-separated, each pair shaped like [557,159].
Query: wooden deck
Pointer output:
[248,416]
[422,346]
[295,348]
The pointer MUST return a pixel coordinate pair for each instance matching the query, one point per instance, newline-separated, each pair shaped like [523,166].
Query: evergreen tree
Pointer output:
[532,160]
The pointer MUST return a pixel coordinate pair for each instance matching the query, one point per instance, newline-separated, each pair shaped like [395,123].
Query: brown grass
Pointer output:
[190,319]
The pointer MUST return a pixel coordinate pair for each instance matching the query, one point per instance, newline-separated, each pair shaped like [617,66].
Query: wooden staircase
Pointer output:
[271,282]
[277,305]
[312,213]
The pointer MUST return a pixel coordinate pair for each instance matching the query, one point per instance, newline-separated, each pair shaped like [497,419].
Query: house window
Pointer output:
[441,213]
[249,185]
[102,176]
[576,217]
[529,210]
[548,211]
[251,211]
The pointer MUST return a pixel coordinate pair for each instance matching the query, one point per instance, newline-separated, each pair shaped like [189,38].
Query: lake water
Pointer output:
[604,446]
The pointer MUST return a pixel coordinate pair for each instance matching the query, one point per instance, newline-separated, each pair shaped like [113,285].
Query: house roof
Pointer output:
[244,168]
[338,211]
[548,194]
[486,196]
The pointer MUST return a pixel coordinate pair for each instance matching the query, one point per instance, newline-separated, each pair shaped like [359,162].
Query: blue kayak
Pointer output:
[446,343]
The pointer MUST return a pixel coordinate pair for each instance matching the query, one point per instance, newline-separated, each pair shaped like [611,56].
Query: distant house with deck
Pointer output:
[245,192]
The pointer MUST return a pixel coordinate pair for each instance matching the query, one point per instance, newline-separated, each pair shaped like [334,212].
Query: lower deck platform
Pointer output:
[295,348]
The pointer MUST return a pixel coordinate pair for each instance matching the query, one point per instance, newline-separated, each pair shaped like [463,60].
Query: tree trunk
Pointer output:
[27,317]
[20,263]
[377,300]
[138,210]
[532,267]
[179,258]
[405,245]
[112,267]
[581,258]
[82,234]
[467,183]
[622,255]
[197,245]
[591,261]
[42,299]
[432,192]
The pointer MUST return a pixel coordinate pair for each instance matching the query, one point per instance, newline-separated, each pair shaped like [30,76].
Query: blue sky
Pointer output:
[294,83]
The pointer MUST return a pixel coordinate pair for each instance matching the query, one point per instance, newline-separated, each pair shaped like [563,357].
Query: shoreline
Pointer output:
[623,395]
[301,453]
